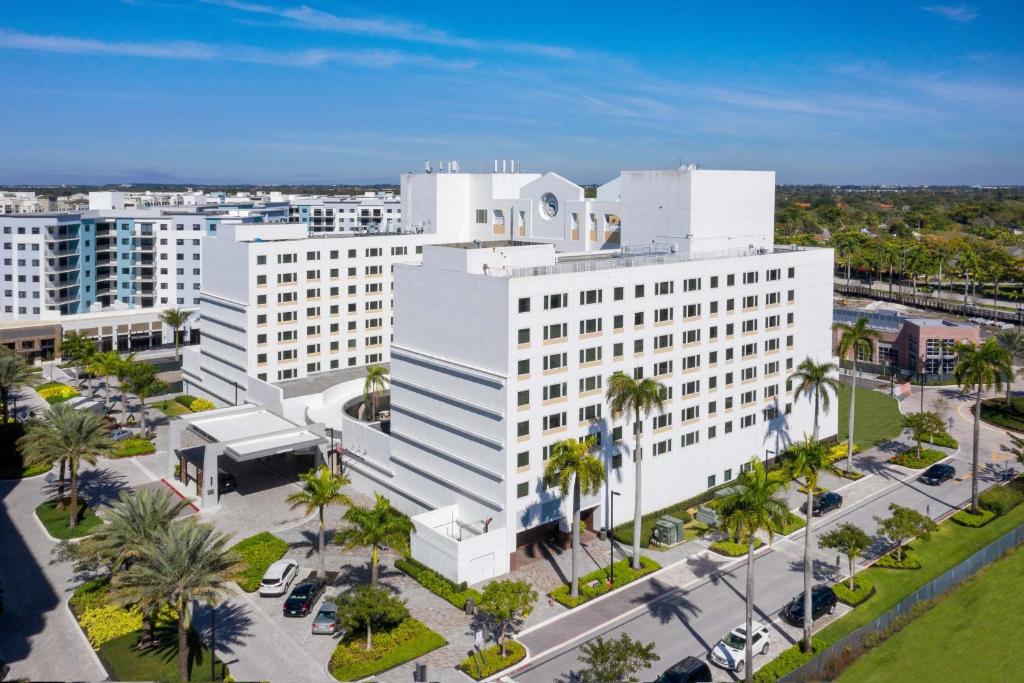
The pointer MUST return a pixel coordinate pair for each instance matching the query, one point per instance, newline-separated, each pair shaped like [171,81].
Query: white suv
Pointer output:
[278,577]
[731,651]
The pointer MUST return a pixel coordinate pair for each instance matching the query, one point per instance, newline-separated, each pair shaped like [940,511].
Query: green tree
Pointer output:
[616,660]
[850,540]
[374,527]
[858,338]
[1012,341]
[376,382]
[125,370]
[78,350]
[186,563]
[14,374]
[574,467]
[320,488]
[175,318]
[978,367]
[816,381]
[902,525]
[640,398]
[370,607]
[106,365]
[808,460]
[144,383]
[74,436]
[921,425]
[506,604]
[753,505]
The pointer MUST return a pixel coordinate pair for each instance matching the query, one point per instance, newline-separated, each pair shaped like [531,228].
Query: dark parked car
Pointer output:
[823,503]
[689,670]
[303,597]
[226,481]
[936,474]
[823,601]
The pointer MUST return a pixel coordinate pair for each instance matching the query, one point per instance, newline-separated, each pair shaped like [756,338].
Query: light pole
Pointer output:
[920,373]
[213,640]
[611,537]
[766,452]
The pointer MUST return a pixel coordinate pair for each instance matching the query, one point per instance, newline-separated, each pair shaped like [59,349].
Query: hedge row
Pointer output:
[733,549]
[941,439]
[889,561]
[479,666]
[351,660]
[1002,499]
[257,554]
[790,660]
[456,594]
[596,583]
[134,446]
[910,458]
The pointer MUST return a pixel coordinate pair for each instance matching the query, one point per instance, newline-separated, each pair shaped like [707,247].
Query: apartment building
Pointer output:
[23,202]
[368,212]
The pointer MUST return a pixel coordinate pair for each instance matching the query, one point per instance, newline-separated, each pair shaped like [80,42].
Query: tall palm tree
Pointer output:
[808,460]
[320,488]
[854,339]
[74,435]
[978,367]
[143,382]
[185,563]
[14,374]
[106,365]
[175,318]
[574,466]
[375,527]
[816,381]
[750,507]
[626,395]
[132,523]
[125,370]
[376,382]
[1012,341]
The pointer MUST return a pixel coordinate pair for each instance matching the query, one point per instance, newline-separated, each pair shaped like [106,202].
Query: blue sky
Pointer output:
[333,91]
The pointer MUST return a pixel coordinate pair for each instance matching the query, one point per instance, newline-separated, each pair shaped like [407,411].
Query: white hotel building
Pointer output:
[506,330]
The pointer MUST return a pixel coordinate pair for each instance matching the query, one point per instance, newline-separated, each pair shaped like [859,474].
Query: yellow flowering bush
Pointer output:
[56,393]
[838,452]
[201,404]
[106,622]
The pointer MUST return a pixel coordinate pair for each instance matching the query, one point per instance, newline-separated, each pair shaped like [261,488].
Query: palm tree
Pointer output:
[1012,341]
[853,340]
[186,562]
[131,524]
[752,506]
[78,350]
[320,488]
[175,318]
[375,527]
[376,382]
[626,395]
[69,434]
[14,374]
[978,367]
[106,365]
[815,380]
[808,460]
[574,466]
[124,370]
[143,382]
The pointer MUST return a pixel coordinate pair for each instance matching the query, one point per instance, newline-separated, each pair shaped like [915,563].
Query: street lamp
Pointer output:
[611,538]
[920,374]
[766,452]
[213,640]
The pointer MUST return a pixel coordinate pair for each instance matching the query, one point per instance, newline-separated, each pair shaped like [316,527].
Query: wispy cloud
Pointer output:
[961,14]
[309,18]
[190,50]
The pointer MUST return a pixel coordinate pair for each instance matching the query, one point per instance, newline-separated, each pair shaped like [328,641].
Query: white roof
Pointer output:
[250,431]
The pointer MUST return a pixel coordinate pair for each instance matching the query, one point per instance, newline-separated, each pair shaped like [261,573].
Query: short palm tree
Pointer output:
[816,381]
[75,436]
[175,318]
[854,339]
[106,365]
[639,398]
[78,350]
[573,466]
[808,460]
[320,488]
[375,527]
[1012,341]
[143,382]
[14,374]
[978,367]
[376,382]
[752,506]
[125,369]
[185,563]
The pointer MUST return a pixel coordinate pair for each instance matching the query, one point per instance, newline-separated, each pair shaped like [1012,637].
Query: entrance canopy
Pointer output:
[249,432]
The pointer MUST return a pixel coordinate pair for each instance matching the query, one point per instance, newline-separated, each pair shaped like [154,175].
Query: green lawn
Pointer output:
[125,663]
[257,554]
[877,416]
[56,520]
[997,412]
[964,638]
[171,408]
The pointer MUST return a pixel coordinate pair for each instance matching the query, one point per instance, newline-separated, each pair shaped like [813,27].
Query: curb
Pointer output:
[55,540]
[88,645]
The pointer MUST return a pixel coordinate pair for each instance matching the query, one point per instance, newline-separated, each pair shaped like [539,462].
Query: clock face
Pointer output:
[549,204]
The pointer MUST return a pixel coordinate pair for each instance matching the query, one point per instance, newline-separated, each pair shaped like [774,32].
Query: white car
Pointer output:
[278,577]
[731,652]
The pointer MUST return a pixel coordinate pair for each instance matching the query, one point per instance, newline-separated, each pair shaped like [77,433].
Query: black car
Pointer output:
[303,597]
[689,670]
[823,601]
[226,481]
[823,503]
[936,474]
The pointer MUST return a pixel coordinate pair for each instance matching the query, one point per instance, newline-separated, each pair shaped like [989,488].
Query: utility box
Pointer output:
[668,530]
[707,515]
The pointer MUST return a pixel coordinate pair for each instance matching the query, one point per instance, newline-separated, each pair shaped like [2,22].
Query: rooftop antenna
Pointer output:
[426,166]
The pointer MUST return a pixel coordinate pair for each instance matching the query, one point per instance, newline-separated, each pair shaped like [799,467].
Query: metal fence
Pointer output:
[930,302]
[830,662]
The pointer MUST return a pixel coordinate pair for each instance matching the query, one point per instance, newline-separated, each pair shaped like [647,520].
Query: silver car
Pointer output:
[325,623]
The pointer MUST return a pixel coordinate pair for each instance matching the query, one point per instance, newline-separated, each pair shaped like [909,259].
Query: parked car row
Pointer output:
[303,597]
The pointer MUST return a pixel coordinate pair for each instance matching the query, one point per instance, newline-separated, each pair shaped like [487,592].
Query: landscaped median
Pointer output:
[732,548]
[257,554]
[595,583]
[911,459]
[408,640]
[55,519]
[480,665]
[55,392]
[126,448]
[456,594]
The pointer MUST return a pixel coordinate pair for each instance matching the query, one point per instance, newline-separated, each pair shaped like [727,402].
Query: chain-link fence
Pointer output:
[830,662]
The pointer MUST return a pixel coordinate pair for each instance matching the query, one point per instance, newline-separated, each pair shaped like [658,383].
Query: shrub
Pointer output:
[90,594]
[889,561]
[440,586]
[941,439]
[596,583]
[623,533]
[481,665]
[56,520]
[789,660]
[862,590]
[185,400]
[838,451]
[201,404]
[55,392]
[910,458]
[351,660]
[1002,499]
[966,518]
[257,553]
[129,447]
[733,549]
[106,622]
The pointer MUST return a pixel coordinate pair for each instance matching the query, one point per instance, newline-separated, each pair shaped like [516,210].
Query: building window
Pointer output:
[523,428]
[481,215]
[523,459]
[711,481]
[524,336]
[523,398]
[522,489]
[524,304]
